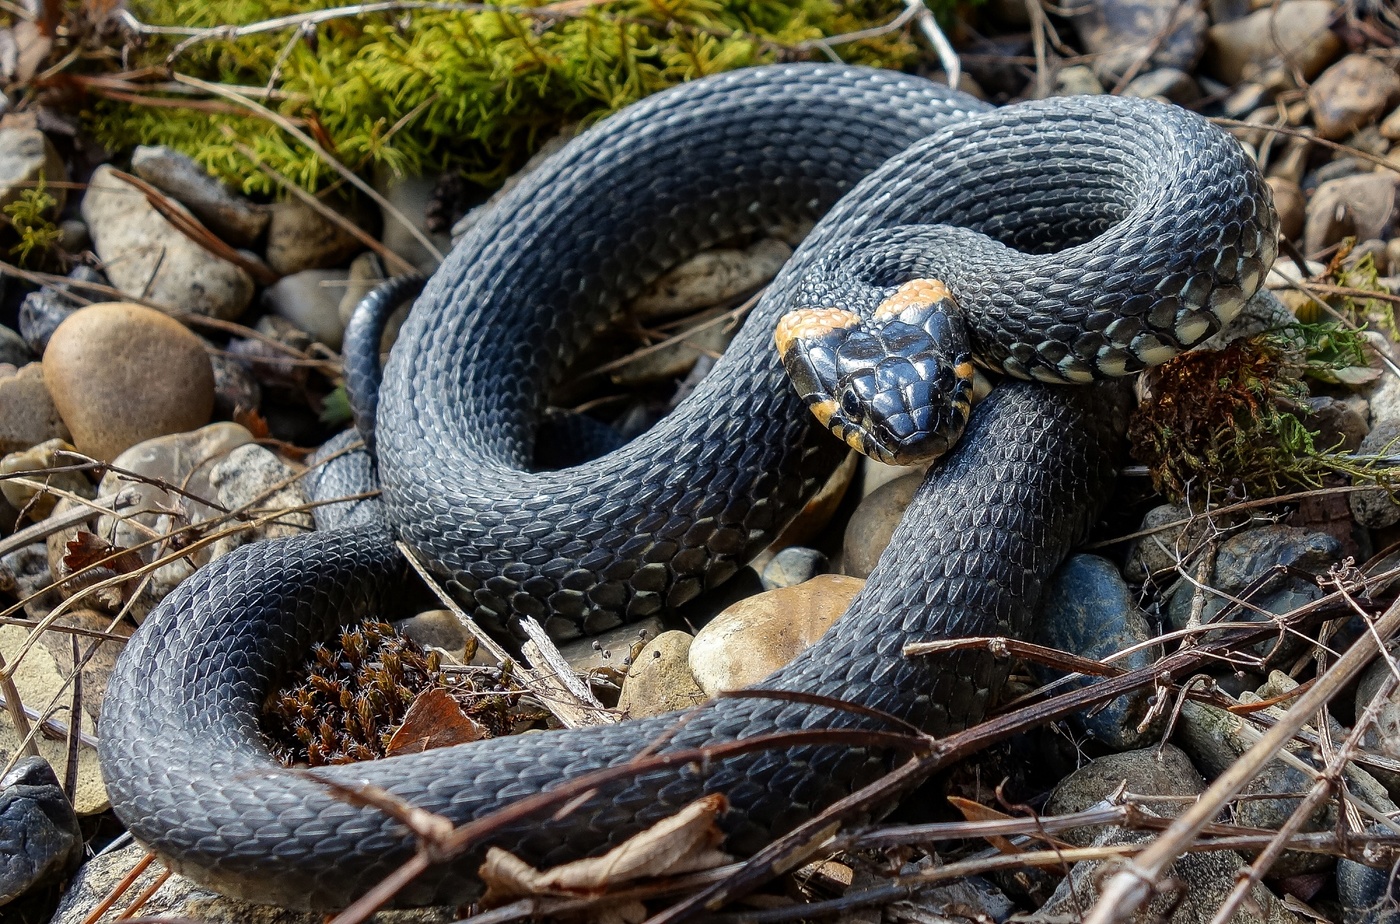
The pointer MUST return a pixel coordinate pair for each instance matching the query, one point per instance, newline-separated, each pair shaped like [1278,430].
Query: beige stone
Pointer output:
[1297,30]
[121,373]
[1351,94]
[756,636]
[874,522]
[1291,206]
[28,416]
[660,679]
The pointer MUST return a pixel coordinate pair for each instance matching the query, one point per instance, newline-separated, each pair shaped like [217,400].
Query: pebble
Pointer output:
[1123,32]
[182,898]
[1248,555]
[1164,771]
[1078,80]
[185,459]
[311,300]
[121,373]
[98,669]
[437,629]
[756,636]
[660,679]
[1368,895]
[39,680]
[299,238]
[39,835]
[1390,125]
[35,503]
[1375,508]
[73,235]
[711,277]
[147,257]
[223,211]
[1354,92]
[41,312]
[1168,84]
[13,349]
[1158,552]
[1241,49]
[1361,206]
[27,570]
[26,156]
[792,566]
[28,415]
[410,196]
[873,523]
[235,388]
[1089,611]
[253,479]
[1335,423]
[1291,206]
[366,271]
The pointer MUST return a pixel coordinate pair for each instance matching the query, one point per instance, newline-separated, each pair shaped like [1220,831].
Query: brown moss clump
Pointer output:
[1224,419]
[345,704]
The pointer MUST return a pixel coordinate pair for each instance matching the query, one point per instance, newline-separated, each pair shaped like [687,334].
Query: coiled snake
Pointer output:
[1080,237]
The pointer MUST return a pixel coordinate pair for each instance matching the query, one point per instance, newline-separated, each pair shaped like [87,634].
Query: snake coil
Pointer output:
[1104,231]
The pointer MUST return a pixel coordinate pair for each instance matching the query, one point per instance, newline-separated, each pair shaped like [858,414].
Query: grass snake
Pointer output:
[1080,237]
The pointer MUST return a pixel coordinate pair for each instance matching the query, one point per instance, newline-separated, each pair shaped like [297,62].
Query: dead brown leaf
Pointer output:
[686,842]
[252,421]
[434,721]
[87,550]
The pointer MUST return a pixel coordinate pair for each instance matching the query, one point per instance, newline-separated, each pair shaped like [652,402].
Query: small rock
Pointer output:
[41,312]
[1291,206]
[121,373]
[660,679]
[73,235]
[13,350]
[1375,508]
[26,157]
[181,898]
[1168,84]
[1158,553]
[39,680]
[792,566]
[1352,93]
[235,388]
[1164,771]
[410,196]
[1124,32]
[1338,168]
[252,479]
[1361,206]
[1335,424]
[311,300]
[1368,895]
[613,649]
[754,637]
[1299,30]
[146,256]
[1089,611]
[103,659]
[711,278]
[1078,80]
[39,835]
[1261,812]
[298,238]
[28,416]
[223,211]
[437,629]
[873,523]
[26,570]
[366,272]
[35,503]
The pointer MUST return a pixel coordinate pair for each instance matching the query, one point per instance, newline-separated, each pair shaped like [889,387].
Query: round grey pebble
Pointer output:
[13,349]
[1375,508]
[792,566]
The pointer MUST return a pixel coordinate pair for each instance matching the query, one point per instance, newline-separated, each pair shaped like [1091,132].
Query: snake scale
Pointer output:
[1089,236]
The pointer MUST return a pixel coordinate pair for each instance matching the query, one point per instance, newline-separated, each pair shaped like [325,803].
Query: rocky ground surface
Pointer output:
[161,389]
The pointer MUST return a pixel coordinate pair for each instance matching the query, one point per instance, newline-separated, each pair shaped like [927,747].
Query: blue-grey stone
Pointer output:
[1089,611]
[39,834]
[792,566]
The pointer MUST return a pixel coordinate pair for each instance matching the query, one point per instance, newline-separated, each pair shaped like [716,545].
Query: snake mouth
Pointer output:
[896,386]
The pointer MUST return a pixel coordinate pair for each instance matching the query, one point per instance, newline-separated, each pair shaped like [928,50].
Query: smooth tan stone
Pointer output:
[121,373]
[756,636]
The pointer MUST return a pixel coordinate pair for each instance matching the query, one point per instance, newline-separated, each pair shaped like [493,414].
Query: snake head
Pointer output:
[896,386]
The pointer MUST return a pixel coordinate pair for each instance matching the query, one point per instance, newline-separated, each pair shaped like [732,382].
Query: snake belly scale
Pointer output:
[1072,202]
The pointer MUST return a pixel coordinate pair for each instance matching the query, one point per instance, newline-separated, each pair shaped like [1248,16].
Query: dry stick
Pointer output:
[1297,133]
[334,163]
[16,708]
[118,890]
[1129,888]
[561,681]
[1321,789]
[928,25]
[51,724]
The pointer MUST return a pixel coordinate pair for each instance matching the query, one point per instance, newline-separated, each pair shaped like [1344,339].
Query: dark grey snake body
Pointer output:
[1150,206]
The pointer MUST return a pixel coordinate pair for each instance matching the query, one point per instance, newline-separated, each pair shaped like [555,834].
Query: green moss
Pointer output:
[29,217]
[426,90]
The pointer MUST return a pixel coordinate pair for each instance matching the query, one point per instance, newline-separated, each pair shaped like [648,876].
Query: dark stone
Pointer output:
[39,835]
